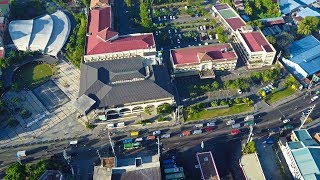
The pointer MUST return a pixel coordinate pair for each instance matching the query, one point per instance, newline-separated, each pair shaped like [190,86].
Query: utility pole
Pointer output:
[310,111]
[112,143]
[158,146]
[250,133]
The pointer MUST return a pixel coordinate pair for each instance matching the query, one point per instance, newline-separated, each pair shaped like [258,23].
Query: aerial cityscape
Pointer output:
[159,89]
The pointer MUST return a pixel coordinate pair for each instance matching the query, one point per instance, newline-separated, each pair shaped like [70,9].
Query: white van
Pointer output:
[110,126]
[198,126]
[314,98]
[197,131]
[138,139]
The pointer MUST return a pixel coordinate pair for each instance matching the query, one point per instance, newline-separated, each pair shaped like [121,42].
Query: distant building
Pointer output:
[289,6]
[51,175]
[302,156]
[303,12]
[272,21]
[304,59]
[104,43]
[251,167]
[207,166]
[258,52]
[317,137]
[126,86]
[141,168]
[198,60]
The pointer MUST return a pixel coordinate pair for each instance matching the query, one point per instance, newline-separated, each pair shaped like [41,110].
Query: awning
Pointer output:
[84,103]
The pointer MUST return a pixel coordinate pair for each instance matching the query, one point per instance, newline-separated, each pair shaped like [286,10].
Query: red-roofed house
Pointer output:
[193,60]
[256,48]
[104,43]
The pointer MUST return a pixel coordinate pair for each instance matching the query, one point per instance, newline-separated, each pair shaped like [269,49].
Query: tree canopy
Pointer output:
[308,25]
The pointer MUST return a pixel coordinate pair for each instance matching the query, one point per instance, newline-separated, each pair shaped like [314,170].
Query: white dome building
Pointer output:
[47,34]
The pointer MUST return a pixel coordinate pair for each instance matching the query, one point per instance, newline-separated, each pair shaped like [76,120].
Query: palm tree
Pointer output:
[304,29]
[248,10]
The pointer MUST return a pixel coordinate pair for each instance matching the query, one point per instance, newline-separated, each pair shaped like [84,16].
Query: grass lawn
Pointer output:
[272,98]
[32,74]
[235,109]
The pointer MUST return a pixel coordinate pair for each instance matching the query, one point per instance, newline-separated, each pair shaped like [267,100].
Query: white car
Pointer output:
[286,121]
[156,133]
[235,126]
[231,122]
[211,124]
[314,98]
[239,91]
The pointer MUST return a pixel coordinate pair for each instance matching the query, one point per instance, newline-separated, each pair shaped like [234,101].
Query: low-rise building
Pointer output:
[207,166]
[140,168]
[302,155]
[289,6]
[257,51]
[125,86]
[303,60]
[200,59]
[303,12]
[251,167]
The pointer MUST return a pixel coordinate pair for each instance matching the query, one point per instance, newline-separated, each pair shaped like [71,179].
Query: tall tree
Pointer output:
[248,10]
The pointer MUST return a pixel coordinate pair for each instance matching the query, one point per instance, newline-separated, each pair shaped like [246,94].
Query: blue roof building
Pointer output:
[303,156]
[304,58]
[308,11]
[287,6]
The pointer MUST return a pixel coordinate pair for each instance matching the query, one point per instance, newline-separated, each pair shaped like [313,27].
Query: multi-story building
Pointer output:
[104,43]
[254,46]
[201,59]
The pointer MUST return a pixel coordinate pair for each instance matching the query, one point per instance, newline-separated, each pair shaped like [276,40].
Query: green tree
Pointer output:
[86,3]
[214,104]
[308,25]
[238,100]
[146,21]
[230,102]
[256,23]
[223,103]
[4,63]
[215,85]
[272,40]
[15,172]
[248,10]
[257,3]
[128,3]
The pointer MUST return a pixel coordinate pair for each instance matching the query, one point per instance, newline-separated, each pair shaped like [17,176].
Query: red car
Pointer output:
[235,132]
[186,133]
[209,129]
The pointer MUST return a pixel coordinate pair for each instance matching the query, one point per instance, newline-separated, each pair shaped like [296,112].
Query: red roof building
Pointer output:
[210,57]
[103,40]
[235,23]
[256,41]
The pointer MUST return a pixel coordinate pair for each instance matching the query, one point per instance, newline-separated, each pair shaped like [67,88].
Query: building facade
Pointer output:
[197,60]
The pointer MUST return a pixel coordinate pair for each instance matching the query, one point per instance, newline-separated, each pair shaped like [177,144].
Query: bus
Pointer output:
[173,170]
[127,141]
[175,176]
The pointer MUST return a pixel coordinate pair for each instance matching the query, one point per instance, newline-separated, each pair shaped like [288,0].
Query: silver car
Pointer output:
[231,122]
[235,126]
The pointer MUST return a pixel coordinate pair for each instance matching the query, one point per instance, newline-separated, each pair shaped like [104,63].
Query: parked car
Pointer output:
[235,126]
[212,123]
[209,129]
[288,127]
[151,137]
[138,139]
[165,136]
[186,133]
[235,132]
[231,122]
[249,123]
[239,91]
[197,131]
[158,132]
[198,126]
[249,118]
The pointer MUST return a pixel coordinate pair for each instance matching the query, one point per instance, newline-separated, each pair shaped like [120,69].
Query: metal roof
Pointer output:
[308,11]
[306,53]
[286,6]
[47,33]
[84,103]
[121,81]
[308,161]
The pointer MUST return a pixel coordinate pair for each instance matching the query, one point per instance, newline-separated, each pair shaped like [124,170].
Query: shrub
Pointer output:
[89,125]
[249,148]
[161,118]
[147,111]
[214,103]
[164,108]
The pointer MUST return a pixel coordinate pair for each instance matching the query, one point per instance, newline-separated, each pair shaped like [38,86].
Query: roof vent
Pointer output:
[89,34]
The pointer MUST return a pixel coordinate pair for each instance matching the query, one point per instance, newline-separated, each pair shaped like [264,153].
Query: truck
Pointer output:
[249,118]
